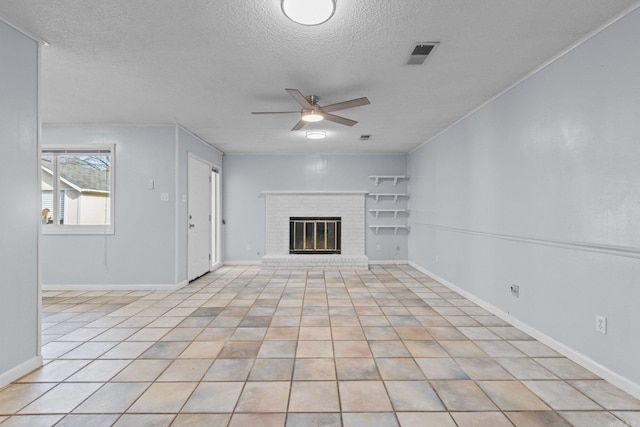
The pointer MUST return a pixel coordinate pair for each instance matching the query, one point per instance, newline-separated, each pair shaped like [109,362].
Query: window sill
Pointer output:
[77,229]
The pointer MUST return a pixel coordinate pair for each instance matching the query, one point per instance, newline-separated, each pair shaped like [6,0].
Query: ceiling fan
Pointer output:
[312,112]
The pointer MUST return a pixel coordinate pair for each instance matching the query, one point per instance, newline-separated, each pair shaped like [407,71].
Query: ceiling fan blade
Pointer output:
[338,119]
[299,125]
[346,104]
[298,96]
[275,112]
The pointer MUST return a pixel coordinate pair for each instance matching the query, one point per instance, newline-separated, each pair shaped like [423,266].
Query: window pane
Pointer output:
[299,236]
[84,186]
[46,190]
[331,235]
[320,227]
[309,233]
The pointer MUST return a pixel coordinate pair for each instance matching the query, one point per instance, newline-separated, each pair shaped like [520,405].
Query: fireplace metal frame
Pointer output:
[316,246]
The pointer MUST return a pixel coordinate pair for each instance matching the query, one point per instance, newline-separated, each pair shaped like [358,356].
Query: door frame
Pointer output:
[216,223]
[215,210]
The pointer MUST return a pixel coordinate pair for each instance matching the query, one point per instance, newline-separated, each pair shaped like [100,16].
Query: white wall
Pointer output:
[246,177]
[541,188]
[20,213]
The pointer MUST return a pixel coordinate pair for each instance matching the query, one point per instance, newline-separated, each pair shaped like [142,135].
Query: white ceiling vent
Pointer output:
[365,137]
[420,52]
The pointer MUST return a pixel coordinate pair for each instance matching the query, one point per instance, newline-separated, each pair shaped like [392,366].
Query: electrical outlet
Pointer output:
[437,258]
[515,291]
[601,324]
[378,247]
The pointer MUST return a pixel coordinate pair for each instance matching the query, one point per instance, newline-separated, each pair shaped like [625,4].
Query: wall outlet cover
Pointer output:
[601,324]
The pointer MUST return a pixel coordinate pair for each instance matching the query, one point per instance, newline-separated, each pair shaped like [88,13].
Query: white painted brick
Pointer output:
[350,207]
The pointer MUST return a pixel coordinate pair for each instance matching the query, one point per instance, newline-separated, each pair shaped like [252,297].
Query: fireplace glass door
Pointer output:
[314,235]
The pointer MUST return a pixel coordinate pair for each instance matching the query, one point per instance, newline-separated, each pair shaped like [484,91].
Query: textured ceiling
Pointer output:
[207,64]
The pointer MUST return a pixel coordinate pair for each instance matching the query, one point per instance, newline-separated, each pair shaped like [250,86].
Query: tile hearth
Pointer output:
[246,346]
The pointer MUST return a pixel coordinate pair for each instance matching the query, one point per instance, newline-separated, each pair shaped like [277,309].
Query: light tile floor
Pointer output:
[244,346]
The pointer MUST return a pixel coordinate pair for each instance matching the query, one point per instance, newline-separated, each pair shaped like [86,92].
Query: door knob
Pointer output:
[191,225]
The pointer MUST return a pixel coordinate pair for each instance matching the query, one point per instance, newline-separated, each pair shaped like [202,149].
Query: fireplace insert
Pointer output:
[314,235]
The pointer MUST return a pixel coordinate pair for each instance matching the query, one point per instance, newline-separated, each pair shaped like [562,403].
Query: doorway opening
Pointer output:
[216,214]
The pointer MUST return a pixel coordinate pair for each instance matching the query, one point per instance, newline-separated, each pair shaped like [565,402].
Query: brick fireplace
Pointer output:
[349,206]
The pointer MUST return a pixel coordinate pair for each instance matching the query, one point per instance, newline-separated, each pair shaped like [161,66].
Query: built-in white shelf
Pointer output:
[375,228]
[312,192]
[395,178]
[394,195]
[395,212]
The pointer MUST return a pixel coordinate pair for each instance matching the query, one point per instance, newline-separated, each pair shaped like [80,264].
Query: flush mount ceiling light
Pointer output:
[308,12]
[316,134]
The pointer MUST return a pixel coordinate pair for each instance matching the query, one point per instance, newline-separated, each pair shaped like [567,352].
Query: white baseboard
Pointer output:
[602,371]
[257,262]
[389,262]
[118,287]
[20,371]
[371,262]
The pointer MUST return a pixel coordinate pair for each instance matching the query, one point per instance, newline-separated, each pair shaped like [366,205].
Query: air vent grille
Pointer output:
[420,53]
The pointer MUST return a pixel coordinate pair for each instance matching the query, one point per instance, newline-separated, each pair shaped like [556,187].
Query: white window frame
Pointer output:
[80,228]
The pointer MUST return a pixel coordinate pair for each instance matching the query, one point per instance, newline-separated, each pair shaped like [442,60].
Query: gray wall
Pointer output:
[142,250]
[541,188]
[245,177]
[150,239]
[19,216]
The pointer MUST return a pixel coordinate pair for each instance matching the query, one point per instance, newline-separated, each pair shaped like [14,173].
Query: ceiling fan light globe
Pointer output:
[308,12]
[312,116]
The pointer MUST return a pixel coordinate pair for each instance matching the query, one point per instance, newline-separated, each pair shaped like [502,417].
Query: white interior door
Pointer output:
[199,218]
